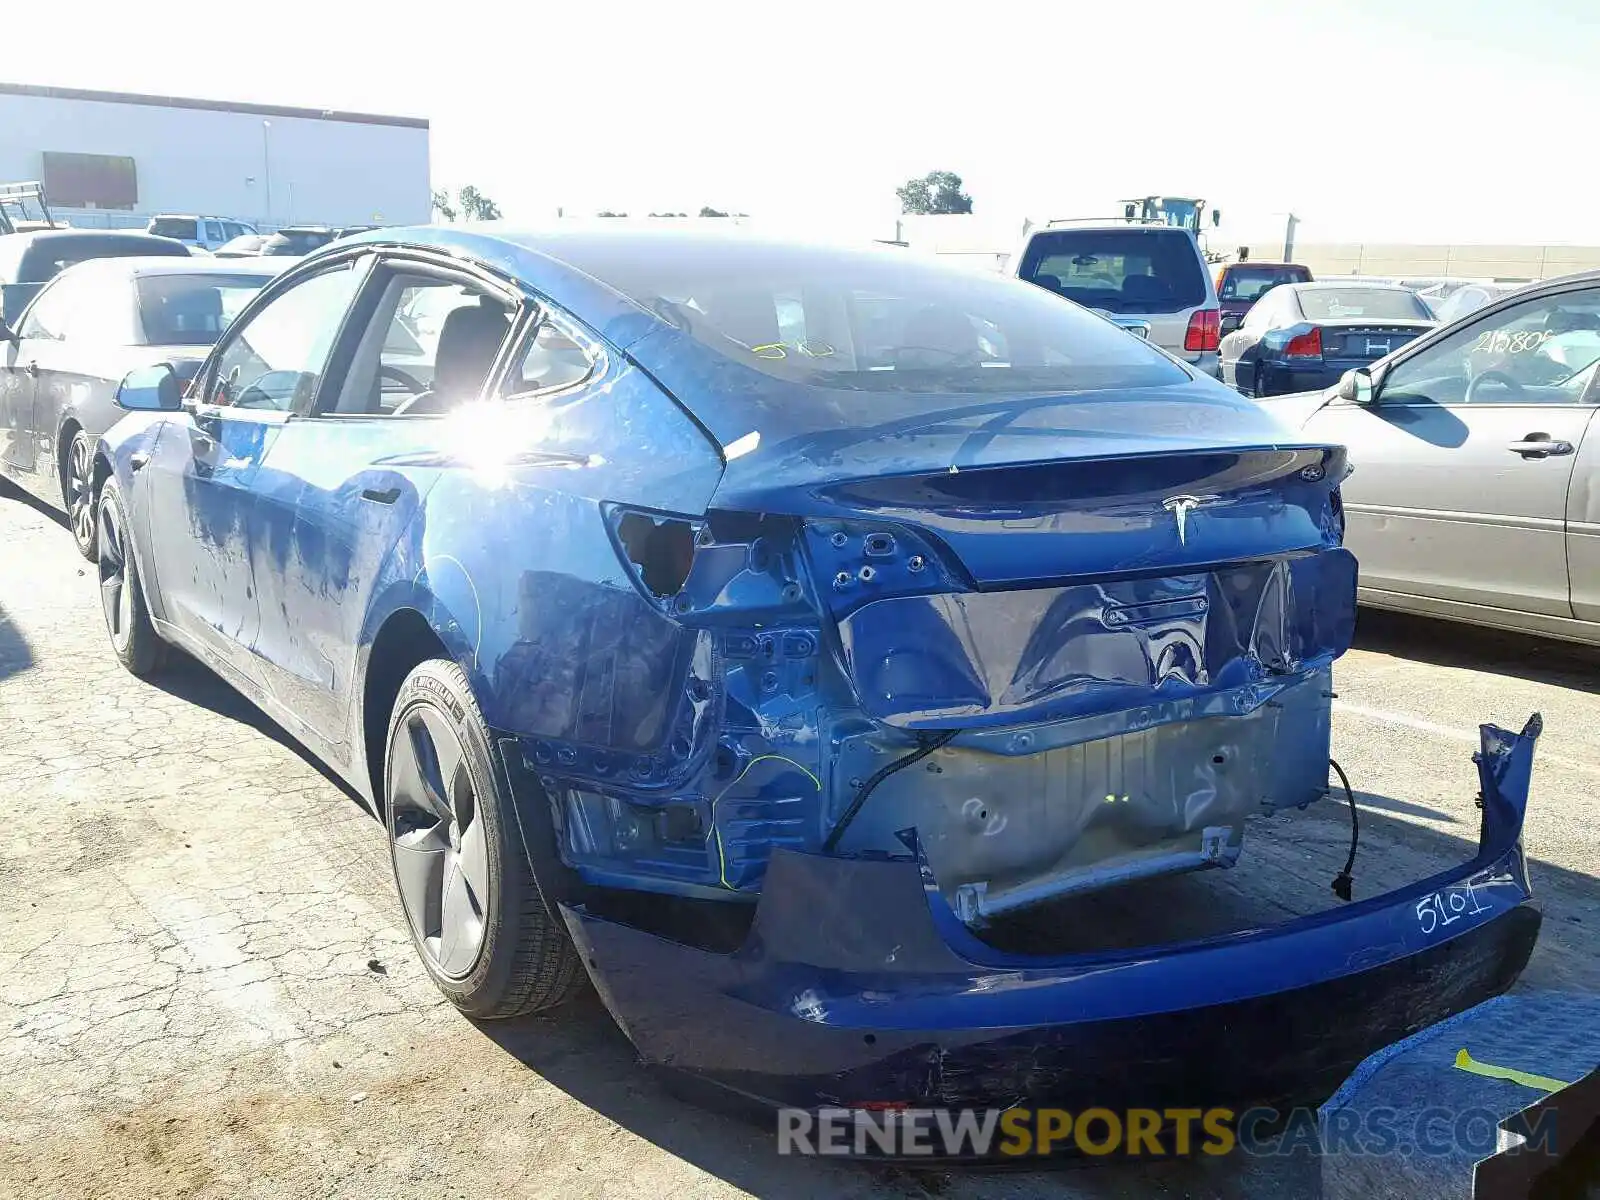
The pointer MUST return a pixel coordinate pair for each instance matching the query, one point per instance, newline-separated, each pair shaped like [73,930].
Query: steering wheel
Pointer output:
[409,382]
[1513,388]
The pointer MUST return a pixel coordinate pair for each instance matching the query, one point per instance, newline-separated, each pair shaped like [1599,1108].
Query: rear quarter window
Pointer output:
[1118,270]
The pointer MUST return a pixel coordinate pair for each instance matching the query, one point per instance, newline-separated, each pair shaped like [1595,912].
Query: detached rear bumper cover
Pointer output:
[858,985]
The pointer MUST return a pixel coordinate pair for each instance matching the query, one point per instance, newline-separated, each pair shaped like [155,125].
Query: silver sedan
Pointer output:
[1476,490]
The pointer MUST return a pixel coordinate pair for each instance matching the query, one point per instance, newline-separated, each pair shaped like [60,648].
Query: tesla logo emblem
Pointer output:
[1181,507]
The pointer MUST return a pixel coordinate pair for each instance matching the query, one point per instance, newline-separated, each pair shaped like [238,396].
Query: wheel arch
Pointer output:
[102,470]
[404,639]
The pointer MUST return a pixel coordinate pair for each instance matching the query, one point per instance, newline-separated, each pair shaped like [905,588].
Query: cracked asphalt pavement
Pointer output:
[206,987]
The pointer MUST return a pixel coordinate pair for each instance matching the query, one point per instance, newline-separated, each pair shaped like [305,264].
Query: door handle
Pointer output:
[1539,445]
[31,367]
[387,496]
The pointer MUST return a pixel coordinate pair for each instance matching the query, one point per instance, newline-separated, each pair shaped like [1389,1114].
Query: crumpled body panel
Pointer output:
[977,659]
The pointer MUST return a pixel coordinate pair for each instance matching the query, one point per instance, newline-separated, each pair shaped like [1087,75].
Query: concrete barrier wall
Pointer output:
[1486,262]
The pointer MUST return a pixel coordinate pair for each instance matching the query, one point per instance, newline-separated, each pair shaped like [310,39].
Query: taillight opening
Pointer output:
[1204,332]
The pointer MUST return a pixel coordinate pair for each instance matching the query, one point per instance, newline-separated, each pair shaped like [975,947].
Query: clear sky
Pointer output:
[1404,120]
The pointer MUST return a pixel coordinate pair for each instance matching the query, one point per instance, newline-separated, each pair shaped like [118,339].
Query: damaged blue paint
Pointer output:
[708,608]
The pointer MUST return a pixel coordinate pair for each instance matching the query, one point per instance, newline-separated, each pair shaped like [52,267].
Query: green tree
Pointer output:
[935,192]
[475,206]
[442,205]
[707,211]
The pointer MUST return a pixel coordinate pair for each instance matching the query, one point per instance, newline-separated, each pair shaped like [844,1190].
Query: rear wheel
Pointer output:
[475,911]
[77,490]
[133,637]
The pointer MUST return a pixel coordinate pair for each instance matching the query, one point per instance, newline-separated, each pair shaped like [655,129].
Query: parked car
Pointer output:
[248,245]
[1306,335]
[1239,285]
[87,328]
[1149,278]
[1467,299]
[28,261]
[209,233]
[1472,497]
[296,240]
[632,609]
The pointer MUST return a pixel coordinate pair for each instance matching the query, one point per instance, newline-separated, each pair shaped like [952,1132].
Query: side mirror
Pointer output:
[1355,386]
[150,389]
[1230,322]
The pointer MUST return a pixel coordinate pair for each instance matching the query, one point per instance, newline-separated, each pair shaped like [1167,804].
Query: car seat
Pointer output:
[469,339]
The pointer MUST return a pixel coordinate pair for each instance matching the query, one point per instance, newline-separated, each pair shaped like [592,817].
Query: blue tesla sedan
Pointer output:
[758,628]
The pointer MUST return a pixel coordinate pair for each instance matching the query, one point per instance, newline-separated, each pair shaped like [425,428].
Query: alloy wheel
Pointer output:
[441,852]
[80,491]
[116,592]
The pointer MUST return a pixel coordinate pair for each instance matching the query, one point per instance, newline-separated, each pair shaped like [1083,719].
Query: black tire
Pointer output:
[77,494]
[134,639]
[525,960]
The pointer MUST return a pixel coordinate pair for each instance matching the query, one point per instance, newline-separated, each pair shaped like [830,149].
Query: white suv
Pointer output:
[1150,278]
[206,232]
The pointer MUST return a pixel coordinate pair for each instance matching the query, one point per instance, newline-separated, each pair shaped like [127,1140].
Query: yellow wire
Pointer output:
[722,861]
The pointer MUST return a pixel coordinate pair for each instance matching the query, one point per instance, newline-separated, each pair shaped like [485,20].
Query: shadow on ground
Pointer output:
[1452,644]
[192,681]
[15,653]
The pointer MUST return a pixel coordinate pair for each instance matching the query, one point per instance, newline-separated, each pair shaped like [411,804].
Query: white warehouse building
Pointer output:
[116,159]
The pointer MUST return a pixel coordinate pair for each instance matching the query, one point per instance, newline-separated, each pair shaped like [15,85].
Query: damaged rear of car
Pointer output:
[765,629]
[992,605]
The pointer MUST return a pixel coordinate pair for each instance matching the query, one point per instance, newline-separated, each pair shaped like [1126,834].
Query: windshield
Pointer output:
[1383,304]
[1251,283]
[192,310]
[875,320]
[182,228]
[1118,270]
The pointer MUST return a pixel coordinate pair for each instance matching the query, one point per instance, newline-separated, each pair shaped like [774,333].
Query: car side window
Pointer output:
[1542,351]
[427,348]
[556,358]
[101,313]
[48,316]
[276,358]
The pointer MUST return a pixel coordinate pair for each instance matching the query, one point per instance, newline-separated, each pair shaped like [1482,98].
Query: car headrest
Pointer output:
[468,341]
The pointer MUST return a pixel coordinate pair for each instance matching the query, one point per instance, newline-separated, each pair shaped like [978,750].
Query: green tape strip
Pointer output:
[1465,1062]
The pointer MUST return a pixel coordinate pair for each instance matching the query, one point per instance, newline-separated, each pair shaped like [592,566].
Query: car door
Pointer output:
[203,515]
[347,478]
[1464,461]
[41,329]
